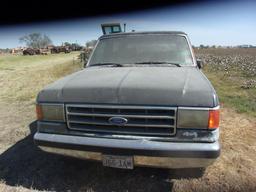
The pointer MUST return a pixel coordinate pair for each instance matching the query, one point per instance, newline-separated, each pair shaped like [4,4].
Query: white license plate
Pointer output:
[117,161]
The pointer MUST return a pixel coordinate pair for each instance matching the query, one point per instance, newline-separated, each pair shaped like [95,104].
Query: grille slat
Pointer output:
[141,120]
[123,115]
[118,130]
[127,125]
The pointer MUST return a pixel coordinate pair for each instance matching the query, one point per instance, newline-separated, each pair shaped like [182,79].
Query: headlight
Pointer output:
[50,112]
[198,118]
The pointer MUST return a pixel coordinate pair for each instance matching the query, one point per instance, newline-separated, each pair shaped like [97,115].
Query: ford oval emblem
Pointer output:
[118,120]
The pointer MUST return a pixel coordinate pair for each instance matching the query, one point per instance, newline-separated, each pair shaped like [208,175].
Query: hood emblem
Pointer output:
[117,121]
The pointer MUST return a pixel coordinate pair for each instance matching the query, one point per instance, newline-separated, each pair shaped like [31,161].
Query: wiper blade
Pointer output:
[103,64]
[159,62]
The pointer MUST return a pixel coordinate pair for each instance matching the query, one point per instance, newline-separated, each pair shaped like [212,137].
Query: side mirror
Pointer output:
[199,63]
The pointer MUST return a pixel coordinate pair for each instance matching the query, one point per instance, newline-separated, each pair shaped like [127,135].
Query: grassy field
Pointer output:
[25,168]
[230,92]
[21,77]
[233,74]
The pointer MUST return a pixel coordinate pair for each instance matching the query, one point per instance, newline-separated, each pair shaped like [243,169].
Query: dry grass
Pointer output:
[20,85]
[22,77]
[235,169]
[24,168]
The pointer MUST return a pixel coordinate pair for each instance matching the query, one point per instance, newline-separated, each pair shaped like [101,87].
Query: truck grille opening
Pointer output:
[141,120]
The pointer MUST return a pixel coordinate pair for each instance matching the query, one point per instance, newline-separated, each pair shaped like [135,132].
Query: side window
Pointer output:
[116,29]
[107,30]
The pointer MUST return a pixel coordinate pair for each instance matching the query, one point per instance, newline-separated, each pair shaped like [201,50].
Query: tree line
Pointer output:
[38,41]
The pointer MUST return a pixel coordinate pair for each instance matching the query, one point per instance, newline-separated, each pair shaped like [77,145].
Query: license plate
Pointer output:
[117,161]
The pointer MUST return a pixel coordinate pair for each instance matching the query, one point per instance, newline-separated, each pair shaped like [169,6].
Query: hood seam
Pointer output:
[119,85]
[73,75]
[184,90]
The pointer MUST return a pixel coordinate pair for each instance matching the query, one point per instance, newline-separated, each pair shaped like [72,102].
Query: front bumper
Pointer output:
[145,152]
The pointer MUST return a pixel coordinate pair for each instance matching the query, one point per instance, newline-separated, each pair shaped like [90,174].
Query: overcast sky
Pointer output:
[229,23]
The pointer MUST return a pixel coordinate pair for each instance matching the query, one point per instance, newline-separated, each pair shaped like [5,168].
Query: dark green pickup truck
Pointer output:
[141,100]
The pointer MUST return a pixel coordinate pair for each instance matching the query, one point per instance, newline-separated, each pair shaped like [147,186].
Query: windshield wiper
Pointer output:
[103,64]
[159,62]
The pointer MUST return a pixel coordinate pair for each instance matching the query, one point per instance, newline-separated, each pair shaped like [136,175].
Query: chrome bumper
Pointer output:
[147,161]
[145,153]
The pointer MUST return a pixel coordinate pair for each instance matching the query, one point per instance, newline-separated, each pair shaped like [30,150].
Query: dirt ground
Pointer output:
[23,167]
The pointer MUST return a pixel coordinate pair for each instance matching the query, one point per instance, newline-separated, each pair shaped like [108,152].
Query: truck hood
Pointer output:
[168,86]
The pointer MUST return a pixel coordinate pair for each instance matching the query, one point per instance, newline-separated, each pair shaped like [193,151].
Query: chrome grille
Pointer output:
[142,120]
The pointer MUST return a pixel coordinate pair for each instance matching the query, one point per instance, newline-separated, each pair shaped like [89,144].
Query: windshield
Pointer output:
[144,49]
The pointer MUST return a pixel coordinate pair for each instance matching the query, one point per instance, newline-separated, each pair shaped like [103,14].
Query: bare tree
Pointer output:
[36,40]
[91,43]
[67,44]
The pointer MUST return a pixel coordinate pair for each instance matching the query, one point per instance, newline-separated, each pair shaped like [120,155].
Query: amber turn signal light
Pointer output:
[39,112]
[214,119]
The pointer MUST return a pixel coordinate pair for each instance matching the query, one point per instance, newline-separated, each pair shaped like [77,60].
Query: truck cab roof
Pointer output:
[113,35]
